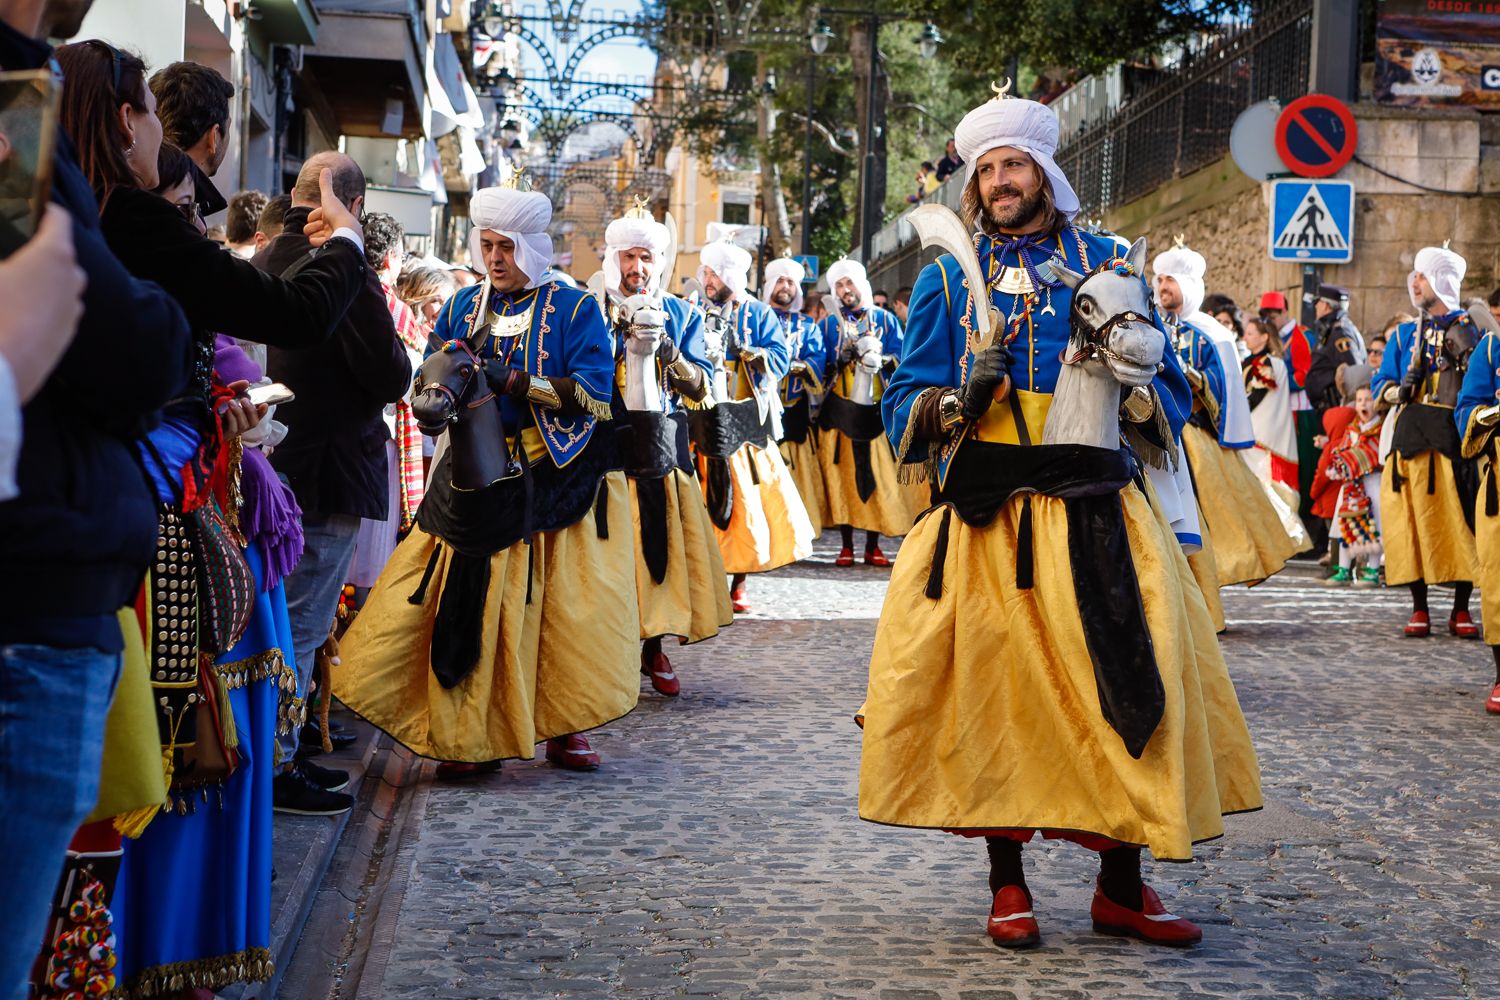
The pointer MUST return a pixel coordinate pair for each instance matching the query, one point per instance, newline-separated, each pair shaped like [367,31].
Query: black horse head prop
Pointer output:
[452,393]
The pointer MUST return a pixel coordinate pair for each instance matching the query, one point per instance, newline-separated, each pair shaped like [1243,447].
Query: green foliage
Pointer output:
[927,97]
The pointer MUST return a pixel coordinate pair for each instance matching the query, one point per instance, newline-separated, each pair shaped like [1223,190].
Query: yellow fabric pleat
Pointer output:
[982,709]
[563,662]
[1206,573]
[1487,559]
[893,506]
[131,779]
[768,525]
[1249,541]
[1424,534]
[802,462]
[692,600]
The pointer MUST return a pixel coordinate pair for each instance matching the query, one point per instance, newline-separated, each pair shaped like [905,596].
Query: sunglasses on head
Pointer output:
[117,67]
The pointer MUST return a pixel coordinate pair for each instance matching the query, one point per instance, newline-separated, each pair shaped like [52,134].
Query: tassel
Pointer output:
[595,409]
[419,596]
[1025,570]
[934,589]
[327,655]
[1491,495]
[1431,473]
[133,823]
[226,713]
[601,512]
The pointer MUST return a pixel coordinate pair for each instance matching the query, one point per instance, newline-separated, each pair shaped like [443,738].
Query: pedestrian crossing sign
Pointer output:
[1312,221]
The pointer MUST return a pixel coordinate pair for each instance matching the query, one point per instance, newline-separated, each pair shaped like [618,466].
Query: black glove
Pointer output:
[888,364]
[505,380]
[991,365]
[846,352]
[1410,386]
[668,351]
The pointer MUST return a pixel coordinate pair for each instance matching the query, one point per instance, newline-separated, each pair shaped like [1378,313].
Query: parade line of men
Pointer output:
[1066,453]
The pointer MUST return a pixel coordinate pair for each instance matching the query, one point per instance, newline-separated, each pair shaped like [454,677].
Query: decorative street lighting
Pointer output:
[929,41]
[927,44]
[819,37]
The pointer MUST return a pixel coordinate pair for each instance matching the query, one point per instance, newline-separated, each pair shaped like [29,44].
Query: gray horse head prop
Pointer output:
[1110,318]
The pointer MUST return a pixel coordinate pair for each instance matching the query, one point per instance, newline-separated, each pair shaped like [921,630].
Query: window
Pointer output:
[735,215]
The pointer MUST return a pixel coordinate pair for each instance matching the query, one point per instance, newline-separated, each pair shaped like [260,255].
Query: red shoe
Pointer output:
[1461,625]
[1152,924]
[659,669]
[457,770]
[1012,924]
[1492,706]
[740,599]
[572,753]
[1419,627]
[876,558]
[846,558]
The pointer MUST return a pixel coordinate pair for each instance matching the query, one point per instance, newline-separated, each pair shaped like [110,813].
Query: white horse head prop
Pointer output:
[1112,344]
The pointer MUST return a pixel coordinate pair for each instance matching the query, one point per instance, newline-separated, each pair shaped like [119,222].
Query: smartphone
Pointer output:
[270,394]
[28,130]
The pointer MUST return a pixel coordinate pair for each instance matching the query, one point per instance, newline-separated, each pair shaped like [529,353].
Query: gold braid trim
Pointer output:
[253,965]
[596,409]
[911,425]
[270,665]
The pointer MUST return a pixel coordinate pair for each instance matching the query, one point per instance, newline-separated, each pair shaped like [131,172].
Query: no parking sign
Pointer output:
[1316,135]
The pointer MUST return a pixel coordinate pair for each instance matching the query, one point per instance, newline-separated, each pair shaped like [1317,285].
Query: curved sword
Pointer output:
[937,226]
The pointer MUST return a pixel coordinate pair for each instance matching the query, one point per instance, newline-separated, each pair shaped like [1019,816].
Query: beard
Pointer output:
[782,298]
[721,296]
[633,283]
[1018,216]
[850,300]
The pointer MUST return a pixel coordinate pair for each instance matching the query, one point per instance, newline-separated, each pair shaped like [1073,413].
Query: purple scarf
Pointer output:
[269,515]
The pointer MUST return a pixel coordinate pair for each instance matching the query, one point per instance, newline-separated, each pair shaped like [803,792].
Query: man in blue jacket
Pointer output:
[77,539]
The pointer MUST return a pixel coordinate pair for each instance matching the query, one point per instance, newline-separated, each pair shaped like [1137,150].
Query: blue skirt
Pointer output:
[192,907]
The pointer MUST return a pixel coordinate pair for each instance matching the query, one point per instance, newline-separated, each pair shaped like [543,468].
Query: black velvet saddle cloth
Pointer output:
[651,445]
[718,432]
[796,423]
[724,428]
[477,524]
[1088,480]
[861,424]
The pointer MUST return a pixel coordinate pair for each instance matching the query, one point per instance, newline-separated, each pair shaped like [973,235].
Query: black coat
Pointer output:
[75,543]
[334,455]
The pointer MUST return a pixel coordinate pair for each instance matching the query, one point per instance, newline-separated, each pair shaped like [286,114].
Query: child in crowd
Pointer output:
[1354,465]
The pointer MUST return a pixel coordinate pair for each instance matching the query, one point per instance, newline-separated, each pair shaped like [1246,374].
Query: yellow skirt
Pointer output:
[691,601]
[1206,574]
[983,712]
[566,660]
[892,507]
[768,525]
[802,462]
[1487,548]
[1422,525]
[1250,543]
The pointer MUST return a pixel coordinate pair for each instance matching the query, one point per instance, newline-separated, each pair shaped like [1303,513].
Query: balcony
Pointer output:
[370,55]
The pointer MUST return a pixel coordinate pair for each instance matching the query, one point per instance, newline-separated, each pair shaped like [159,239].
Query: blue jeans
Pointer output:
[52,708]
[312,598]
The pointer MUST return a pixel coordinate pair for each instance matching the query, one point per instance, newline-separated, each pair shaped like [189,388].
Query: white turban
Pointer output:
[521,217]
[1025,125]
[729,262]
[631,232]
[784,267]
[855,272]
[1444,271]
[1186,267]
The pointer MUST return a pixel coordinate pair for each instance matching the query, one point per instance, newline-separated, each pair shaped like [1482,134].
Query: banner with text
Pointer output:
[1438,52]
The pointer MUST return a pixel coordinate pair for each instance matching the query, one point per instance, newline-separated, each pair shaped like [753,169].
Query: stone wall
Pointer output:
[1226,216]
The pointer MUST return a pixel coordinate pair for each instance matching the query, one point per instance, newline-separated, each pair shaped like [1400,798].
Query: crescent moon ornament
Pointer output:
[1179,242]
[1001,91]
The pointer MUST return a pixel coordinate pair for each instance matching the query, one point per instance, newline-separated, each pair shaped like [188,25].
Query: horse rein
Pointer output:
[454,398]
[1095,338]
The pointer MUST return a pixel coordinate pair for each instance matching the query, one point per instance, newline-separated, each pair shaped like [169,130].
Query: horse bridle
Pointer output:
[1095,339]
[455,399]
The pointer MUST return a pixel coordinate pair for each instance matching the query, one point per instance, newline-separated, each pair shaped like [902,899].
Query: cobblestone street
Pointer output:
[718,852]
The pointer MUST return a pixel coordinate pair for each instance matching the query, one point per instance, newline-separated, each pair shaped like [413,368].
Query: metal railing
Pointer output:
[1182,123]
